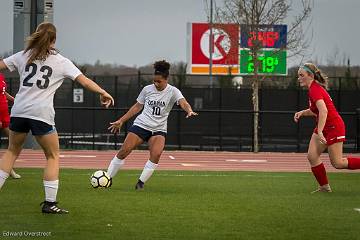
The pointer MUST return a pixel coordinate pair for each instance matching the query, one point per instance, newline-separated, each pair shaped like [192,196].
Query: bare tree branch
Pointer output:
[253,14]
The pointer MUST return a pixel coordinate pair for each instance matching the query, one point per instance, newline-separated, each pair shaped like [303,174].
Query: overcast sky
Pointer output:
[137,32]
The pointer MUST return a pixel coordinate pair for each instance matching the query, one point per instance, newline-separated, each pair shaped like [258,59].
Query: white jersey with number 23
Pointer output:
[39,81]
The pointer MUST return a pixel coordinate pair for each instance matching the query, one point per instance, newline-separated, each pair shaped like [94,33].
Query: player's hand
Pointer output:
[106,99]
[115,126]
[322,139]
[297,116]
[191,114]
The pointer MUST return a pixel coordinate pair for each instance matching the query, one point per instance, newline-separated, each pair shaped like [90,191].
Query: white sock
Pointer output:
[115,166]
[3,176]
[149,168]
[51,188]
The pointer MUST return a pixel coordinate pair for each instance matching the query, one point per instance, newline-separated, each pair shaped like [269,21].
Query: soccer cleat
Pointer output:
[14,175]
[139,185]
[50,207]
[324,188]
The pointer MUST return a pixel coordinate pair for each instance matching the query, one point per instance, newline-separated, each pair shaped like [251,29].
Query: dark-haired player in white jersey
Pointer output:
[42,70]
[155,101]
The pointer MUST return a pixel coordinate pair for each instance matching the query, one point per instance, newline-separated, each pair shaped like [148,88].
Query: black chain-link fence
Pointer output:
[226,117]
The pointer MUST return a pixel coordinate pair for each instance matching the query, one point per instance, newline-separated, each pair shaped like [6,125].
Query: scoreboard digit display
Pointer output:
[270,36]
[271,57]
[271,62]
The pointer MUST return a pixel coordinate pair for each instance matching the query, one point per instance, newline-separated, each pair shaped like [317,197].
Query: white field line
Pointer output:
[77,156]
[190,165]
[247,160]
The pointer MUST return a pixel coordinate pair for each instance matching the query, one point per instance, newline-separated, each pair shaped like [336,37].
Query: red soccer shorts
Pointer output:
[334,132]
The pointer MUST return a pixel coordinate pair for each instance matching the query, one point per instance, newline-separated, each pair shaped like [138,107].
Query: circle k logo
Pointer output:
[221,44]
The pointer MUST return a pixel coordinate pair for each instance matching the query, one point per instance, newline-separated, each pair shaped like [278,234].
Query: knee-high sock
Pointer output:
[115,166]
[353,163]
[3,176]
[320,174]
[51,189]
[149,168]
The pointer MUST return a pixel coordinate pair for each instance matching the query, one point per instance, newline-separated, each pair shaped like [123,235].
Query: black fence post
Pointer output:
[179,131]
[252,131]
[139,81]
[298,124]
[116,112]
[358,130]
[220,120]
[339,95]
[93,118]
[72,115]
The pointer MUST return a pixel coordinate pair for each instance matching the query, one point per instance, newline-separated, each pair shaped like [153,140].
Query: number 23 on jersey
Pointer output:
[40,83]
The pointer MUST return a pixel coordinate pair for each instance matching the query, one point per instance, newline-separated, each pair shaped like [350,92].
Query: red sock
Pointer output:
[320,174]
[353,163]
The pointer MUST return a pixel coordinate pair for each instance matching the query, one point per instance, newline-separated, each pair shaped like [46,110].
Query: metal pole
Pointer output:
[211,44]
[358,130]
[33,16]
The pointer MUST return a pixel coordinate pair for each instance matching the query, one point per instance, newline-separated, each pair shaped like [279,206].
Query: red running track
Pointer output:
[180,160]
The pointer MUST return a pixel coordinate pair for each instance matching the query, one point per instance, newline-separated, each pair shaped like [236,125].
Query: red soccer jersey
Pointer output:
[317,92]
[3,100]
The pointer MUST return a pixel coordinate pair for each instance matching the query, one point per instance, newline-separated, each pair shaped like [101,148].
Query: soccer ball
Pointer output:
[100,179]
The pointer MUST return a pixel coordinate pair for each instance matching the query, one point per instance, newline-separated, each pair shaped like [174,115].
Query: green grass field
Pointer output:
[185,205]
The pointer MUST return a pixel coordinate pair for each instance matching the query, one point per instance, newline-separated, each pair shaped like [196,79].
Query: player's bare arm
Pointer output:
[303,113]
[9,97]
[187,108]
[320,104]
[105,98]
[135,109]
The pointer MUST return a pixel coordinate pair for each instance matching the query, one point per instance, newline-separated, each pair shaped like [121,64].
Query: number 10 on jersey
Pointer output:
[156,111]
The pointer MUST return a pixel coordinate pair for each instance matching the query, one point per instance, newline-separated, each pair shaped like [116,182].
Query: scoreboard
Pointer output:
[271,57]
[271,62]
[232,44]
[270,36]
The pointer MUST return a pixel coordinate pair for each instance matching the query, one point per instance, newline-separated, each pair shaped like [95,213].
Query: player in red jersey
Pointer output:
[329,132]
[4,114]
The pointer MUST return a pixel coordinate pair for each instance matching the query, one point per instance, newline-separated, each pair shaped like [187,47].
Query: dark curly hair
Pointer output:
[162,68]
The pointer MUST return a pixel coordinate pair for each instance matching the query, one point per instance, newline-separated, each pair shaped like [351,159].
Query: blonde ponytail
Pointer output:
[39,43]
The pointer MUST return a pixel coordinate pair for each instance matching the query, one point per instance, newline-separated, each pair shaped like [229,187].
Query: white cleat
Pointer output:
[14,175]
[324,188]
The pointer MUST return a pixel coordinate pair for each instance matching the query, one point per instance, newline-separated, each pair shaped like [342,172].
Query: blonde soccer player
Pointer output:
[329,132]
[42,70]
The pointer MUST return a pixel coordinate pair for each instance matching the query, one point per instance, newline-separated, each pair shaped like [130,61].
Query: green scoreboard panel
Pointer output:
[271,62]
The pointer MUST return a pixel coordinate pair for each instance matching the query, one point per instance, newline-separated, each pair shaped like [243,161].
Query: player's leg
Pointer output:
[156,147]
[131,142]
[335,151]
[50,145]
[317,167]
[338,161]
[13,174]
[16,141]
